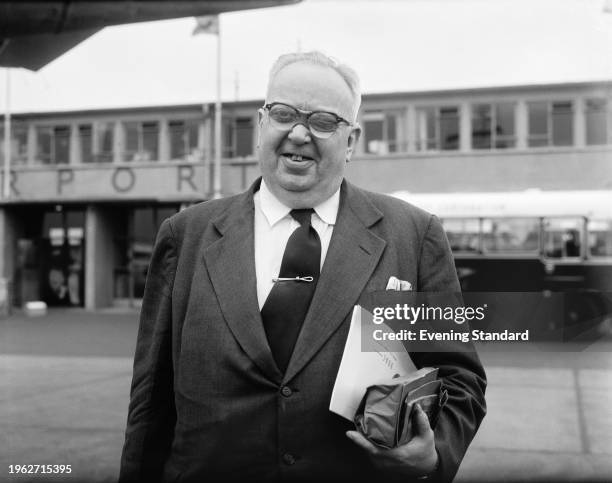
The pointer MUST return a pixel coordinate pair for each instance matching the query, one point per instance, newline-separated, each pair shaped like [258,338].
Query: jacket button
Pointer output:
[289,459]
[286,391]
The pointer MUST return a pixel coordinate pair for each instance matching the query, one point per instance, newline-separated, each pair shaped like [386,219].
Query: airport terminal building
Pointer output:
[88,189]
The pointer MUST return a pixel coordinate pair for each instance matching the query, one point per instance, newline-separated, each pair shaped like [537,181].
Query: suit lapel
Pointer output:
[231,265]
[353,254]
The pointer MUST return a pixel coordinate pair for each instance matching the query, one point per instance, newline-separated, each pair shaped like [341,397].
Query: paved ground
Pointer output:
[64,384]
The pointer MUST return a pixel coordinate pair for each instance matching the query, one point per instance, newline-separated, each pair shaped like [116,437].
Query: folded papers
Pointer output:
[384,415]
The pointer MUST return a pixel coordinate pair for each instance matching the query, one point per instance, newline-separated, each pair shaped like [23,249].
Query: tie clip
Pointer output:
[293,279]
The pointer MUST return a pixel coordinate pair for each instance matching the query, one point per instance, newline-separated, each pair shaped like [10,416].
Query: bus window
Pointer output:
[511,235]
[463,234]
[600,238]
[562,237]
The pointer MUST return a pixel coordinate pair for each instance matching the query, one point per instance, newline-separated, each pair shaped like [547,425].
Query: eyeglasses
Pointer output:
[320,123]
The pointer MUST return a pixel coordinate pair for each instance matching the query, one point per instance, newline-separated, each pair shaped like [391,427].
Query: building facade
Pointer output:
[88,189]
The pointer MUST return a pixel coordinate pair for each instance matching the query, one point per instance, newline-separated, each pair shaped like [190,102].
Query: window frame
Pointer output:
[425,140]
[607,117]
[140,154]
[494,138]
[548,137]
[19,142]
[51,130]
[189,149]
[391,119]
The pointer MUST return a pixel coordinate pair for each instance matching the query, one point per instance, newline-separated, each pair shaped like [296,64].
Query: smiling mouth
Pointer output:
[296,157]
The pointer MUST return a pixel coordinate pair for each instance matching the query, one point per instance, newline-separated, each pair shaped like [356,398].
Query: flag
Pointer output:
[208,24]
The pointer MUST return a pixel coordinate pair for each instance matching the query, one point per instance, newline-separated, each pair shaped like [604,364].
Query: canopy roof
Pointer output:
[32,34]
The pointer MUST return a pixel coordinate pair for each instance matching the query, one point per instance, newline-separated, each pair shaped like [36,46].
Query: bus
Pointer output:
[531,241]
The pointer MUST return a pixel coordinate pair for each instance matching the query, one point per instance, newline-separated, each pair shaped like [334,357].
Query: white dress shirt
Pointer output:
[273,227]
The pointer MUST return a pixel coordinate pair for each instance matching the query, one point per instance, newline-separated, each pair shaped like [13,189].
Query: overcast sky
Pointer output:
[395,45]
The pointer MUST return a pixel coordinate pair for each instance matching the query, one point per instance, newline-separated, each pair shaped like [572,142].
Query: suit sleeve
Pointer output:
[152,414]
[461,371]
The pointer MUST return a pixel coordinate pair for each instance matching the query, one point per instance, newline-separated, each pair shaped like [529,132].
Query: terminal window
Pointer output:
[53,144]
[493,126]
[551,123]
[86,144]
[103,142]
[141,141]
[96,142]
[183,139]
[438,128]
[597,119]
[19,143]
[380,132]
[238,139]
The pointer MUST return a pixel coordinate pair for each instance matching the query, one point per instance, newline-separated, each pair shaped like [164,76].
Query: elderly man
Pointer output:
[248,304]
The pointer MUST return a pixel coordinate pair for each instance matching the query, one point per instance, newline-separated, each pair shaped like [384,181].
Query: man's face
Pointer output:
[56,279]
[307,181]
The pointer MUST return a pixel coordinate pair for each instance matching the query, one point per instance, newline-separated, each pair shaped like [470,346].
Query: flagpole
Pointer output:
[7,138]
[217,179]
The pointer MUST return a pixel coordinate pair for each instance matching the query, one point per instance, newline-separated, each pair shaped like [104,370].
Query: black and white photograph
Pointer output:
[306,241]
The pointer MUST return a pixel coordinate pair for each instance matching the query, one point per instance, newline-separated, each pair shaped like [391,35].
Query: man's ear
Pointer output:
[260,116]
[353,139]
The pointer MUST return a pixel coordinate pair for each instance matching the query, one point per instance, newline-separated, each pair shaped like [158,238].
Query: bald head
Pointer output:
[344,72]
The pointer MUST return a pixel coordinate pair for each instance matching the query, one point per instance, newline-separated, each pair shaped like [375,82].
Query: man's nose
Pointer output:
[300,134]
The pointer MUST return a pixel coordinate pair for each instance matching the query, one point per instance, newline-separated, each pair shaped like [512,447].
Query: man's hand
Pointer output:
[418,457]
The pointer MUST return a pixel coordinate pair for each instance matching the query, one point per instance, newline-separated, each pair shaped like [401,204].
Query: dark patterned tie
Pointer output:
[285,308]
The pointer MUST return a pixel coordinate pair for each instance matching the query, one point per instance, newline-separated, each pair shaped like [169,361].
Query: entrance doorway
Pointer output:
[63,255]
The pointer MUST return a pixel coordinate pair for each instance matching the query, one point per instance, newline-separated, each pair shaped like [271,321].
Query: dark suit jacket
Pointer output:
[207,399]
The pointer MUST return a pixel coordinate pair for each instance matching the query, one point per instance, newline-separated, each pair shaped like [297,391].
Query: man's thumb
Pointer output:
[420,421]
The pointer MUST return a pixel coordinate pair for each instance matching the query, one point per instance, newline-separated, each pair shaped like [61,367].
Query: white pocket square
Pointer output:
[395,283]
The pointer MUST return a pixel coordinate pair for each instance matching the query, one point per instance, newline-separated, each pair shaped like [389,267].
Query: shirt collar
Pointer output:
[274,210]
[328,210]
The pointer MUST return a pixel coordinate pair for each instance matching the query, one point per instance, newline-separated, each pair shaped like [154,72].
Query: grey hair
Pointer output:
[315,57]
